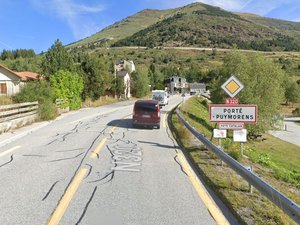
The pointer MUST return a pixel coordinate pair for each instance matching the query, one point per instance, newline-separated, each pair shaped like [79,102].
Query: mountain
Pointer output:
[125,27]
[199,25]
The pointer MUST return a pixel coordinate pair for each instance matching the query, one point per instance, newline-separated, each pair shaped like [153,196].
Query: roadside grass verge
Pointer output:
[275,161]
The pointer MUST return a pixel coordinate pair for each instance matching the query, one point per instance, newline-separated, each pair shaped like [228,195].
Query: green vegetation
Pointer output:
[259,74]
[42,92]
[96,76]
[16,54]
[181,27]
[67,85]
[140,83]
[292,91]
[274,160]
[218,28]
[122,29]
[57,58]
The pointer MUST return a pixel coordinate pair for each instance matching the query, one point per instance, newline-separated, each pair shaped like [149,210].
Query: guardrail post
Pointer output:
[250,186]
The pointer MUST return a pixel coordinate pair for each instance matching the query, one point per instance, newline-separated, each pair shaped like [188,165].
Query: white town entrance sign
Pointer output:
[232,113]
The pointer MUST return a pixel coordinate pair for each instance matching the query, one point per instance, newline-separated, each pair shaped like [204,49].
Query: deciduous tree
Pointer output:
[263,81]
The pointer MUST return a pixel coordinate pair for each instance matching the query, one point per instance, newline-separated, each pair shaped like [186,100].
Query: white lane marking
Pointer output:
[101,113]
[9,150]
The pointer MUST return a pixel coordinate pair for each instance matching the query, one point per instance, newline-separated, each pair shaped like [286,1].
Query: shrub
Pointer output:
[42,92]
[235,154]
[68,85]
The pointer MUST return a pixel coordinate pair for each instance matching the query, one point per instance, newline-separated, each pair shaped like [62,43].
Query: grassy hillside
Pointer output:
[202,25]
[282,25]
[124,28]
[198,25]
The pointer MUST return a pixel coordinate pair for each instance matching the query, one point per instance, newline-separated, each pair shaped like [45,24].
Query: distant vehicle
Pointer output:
[146,113]
[161,96]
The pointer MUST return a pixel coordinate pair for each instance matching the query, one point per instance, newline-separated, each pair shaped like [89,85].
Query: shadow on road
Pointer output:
[158,144]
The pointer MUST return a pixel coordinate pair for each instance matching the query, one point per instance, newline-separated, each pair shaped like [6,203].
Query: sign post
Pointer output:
[232,115]
[219,134]
[240,136]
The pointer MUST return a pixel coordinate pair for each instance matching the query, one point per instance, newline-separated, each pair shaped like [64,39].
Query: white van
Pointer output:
[161,96]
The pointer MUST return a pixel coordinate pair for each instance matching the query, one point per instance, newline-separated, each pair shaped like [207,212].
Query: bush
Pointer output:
[235,154]
[38,91]
[67,85]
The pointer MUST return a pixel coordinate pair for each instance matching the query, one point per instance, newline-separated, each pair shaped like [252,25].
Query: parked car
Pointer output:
[146,113]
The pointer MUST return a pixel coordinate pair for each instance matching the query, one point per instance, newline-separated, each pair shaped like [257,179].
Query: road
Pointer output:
[91,167]
[291,132]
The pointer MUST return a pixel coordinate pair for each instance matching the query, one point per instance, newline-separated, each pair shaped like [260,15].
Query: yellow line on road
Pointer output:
[165,119]
[112,129]
[203,194]
[95,153]
[9,150]
[67,197]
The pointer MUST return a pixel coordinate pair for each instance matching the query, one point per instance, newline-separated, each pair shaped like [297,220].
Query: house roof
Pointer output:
[26,75]
[5,68]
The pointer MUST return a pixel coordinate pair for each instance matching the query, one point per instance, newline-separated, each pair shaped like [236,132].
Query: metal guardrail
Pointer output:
[284,203]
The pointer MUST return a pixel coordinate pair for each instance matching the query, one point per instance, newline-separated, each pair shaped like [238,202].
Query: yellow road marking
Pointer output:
[112,129]
[165,119]
[203,194]
[95,153]
[67,197]
[9,150]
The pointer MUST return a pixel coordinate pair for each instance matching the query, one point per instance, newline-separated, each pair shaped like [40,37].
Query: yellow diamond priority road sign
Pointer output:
[232,86]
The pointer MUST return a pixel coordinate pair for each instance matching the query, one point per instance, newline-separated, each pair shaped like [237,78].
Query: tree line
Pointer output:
[80,76]
[18,53]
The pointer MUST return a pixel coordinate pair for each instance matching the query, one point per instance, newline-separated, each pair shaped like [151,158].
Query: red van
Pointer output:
[146,113]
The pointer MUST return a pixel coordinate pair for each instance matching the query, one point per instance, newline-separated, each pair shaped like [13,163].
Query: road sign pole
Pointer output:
[220,145]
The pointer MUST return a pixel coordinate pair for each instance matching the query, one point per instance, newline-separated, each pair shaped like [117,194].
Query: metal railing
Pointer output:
[284,203]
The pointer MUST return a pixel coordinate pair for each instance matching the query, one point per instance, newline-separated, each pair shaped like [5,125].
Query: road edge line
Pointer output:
[202,192]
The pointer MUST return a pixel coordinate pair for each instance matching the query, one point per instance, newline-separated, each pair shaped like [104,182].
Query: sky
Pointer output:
[36,24]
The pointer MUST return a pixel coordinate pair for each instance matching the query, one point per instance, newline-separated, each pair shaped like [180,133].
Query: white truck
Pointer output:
[161,96]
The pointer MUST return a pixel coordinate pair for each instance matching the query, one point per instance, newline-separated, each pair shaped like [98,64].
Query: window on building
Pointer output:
[3,89]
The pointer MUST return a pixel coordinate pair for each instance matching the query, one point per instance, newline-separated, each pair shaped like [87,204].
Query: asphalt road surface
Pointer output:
[290,132]
[91,167]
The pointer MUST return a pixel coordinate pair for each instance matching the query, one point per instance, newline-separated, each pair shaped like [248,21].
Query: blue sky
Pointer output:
[36,24]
